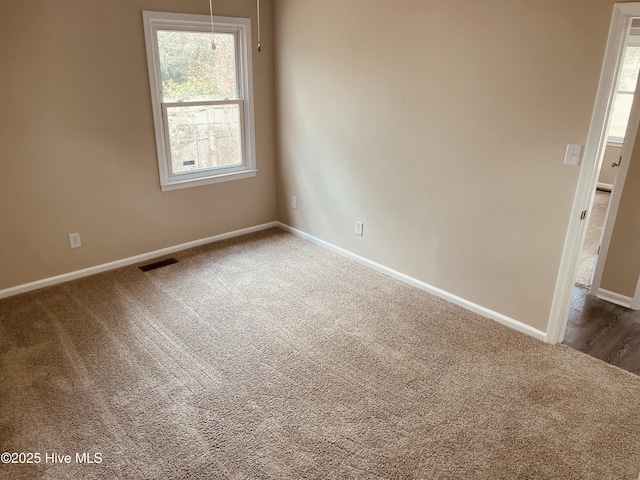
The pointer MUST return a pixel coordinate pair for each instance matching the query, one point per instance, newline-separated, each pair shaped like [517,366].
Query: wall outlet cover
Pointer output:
[74,240]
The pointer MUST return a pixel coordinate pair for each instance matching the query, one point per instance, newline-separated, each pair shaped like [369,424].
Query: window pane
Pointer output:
[192,70]
[620,114]
[204,136]
[630,66]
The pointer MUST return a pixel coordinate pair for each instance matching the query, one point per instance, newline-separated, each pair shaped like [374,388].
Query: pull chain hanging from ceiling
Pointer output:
[213,38]
[259,42]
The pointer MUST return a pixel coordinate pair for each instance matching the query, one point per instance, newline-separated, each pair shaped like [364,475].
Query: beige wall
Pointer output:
[442,126]
[622,265]
[77,143]
[607,172]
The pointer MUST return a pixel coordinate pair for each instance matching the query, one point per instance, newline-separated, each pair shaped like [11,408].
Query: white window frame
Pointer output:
[241,28]
[630,41]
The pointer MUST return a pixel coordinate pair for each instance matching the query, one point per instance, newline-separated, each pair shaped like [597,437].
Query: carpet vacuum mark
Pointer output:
[267,357]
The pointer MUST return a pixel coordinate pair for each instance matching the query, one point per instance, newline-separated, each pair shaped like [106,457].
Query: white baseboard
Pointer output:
[605,186]
[47,282]
[485,312]
[466,304]
[614,297]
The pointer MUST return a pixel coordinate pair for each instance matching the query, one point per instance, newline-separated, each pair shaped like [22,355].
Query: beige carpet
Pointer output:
[589,253]
[267,357]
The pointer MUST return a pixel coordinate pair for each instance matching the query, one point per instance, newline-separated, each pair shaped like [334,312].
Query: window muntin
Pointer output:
[201,98]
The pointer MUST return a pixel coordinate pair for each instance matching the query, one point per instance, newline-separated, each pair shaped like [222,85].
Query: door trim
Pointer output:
[588,178]
[614,201]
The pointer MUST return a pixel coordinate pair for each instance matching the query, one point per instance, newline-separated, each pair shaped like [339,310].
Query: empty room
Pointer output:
[332,239]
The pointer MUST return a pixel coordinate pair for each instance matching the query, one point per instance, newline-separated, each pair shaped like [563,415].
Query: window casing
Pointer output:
[201,98]
[625,90]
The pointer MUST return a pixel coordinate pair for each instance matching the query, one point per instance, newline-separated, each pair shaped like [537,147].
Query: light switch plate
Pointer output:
[572,157]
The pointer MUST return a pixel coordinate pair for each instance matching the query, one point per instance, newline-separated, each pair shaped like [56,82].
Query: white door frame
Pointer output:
[588,178]
[612,211]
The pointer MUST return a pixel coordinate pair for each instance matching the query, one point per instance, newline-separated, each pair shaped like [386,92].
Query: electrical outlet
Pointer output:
[359,226]
[74,240]
[294,202]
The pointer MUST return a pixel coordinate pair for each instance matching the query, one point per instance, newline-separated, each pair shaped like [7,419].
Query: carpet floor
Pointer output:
[589,254]
[267,357]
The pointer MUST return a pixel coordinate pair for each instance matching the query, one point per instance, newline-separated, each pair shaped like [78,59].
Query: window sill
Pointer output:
[197,182]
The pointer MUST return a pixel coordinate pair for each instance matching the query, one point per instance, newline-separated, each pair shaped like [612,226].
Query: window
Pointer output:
[201,98]
[625,90]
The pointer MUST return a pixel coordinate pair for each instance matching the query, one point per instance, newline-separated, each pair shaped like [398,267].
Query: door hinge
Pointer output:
[583,215]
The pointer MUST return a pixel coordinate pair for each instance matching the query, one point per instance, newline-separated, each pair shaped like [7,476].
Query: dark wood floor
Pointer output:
[604,330]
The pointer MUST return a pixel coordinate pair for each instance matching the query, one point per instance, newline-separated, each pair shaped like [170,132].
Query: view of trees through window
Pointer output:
[206,134]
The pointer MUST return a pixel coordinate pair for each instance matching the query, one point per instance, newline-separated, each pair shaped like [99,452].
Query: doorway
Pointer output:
[595,148]
[625,87]
[599,323]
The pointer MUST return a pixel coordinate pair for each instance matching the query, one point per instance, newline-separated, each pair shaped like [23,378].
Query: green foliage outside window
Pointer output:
[192,71]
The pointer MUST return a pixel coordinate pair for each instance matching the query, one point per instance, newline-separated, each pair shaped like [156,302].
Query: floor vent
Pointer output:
[160,264]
